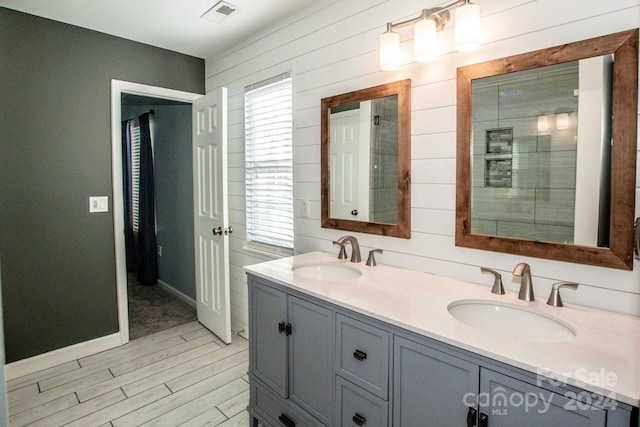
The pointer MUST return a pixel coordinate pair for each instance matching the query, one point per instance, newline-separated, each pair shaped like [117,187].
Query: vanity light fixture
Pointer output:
[543,123]
[562,121]
[425,28]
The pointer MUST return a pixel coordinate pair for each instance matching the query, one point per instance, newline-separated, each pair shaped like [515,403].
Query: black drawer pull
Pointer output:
[286,421]
[287,329]
[471,417]
[281,327]
[360,355]
[359,419]
[483,420]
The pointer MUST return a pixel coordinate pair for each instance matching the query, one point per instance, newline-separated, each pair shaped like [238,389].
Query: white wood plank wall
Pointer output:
[332,48]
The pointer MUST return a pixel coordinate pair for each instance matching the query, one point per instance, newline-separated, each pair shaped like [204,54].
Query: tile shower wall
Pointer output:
[384,158]
[332,48]
[524,173]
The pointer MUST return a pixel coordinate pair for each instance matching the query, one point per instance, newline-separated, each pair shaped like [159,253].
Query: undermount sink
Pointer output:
[511,321]
[326,271]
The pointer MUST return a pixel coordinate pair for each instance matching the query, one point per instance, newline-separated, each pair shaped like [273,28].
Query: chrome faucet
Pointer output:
[497,288]
[554,298]
[355,247]
[526,287]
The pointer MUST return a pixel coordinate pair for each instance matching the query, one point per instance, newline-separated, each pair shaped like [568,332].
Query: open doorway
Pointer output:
[166,298]
[172,159]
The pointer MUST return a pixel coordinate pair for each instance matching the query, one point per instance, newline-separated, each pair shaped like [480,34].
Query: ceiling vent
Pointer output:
[220,12]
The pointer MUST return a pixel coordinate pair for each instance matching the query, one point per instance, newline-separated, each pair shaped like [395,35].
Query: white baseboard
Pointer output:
[62,355]
[187,299]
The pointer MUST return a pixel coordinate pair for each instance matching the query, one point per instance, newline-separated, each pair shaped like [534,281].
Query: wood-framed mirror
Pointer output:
[366,160]
[534,176]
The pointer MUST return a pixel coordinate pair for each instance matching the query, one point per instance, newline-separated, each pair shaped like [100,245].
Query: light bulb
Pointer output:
[389,51]
[467,27]
[543,124]
[424,40]
[562,121]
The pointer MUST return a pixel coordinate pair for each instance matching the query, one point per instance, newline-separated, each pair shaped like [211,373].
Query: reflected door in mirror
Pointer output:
[364,161]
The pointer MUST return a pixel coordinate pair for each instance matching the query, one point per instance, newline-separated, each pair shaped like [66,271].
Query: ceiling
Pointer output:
[171,24]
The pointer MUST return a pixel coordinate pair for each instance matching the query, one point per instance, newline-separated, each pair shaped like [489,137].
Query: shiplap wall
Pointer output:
[332,48]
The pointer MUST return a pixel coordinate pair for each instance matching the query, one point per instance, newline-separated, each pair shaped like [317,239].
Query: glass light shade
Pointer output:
[543,124]
[389,51]
[562,121]
[425,45]
[468,27]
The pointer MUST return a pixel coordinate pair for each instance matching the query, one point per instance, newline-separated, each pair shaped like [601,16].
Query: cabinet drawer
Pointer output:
[274,411]
[362,355]
[357,407]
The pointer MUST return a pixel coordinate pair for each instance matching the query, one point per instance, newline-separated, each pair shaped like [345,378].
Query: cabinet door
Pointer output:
[311,358]
[268,342]
[509,402]
[431,388]
[357,407]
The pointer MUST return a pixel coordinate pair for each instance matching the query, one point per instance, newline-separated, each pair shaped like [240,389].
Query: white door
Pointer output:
[210,213]
[350,152]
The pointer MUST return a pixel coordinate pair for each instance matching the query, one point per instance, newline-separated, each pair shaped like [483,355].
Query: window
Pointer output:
[133,128]
[268,127]
[134,134]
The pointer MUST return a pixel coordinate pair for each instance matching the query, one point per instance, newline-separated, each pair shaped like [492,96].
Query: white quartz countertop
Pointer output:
[603,357]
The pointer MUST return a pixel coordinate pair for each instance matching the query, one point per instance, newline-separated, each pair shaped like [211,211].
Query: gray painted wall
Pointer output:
[173,170]
[58,265]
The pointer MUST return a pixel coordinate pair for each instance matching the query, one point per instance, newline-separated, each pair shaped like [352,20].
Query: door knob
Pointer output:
[228,230]
[217,231]
[354,212]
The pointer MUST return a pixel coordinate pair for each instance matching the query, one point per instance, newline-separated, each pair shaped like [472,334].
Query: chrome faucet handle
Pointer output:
[371,260]
[526,285]
[343,253]
[497,288]
[554,297]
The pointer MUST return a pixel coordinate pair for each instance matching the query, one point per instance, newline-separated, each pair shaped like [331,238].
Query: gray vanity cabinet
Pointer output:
[291,356]
[269,319]
[313,363]
[506,402]
[311,358]
[432,388]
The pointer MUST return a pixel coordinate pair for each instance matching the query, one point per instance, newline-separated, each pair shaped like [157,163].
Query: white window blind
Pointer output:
[134,134]
[269,164]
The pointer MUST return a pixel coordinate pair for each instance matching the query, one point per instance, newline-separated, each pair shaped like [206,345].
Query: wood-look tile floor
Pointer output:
[184,376]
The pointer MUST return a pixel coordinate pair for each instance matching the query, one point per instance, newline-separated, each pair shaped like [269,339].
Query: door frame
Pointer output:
[119,87]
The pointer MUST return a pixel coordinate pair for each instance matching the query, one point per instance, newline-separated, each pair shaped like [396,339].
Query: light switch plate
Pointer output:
[304,208]
[99,204]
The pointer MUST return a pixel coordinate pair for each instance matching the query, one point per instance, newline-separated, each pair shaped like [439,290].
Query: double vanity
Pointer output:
[335,342]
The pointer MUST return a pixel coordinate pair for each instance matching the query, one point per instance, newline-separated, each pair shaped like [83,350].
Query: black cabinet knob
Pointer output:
[360,355]
[281,327]
[483,420]
[359,419]
[288,330]
[286,421]
[471,417]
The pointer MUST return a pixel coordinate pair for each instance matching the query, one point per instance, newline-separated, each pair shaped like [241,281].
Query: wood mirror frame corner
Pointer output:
[402,229]
[624,47]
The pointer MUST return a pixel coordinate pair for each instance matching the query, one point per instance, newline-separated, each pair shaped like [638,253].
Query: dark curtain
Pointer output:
[147,246]
[142,248]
